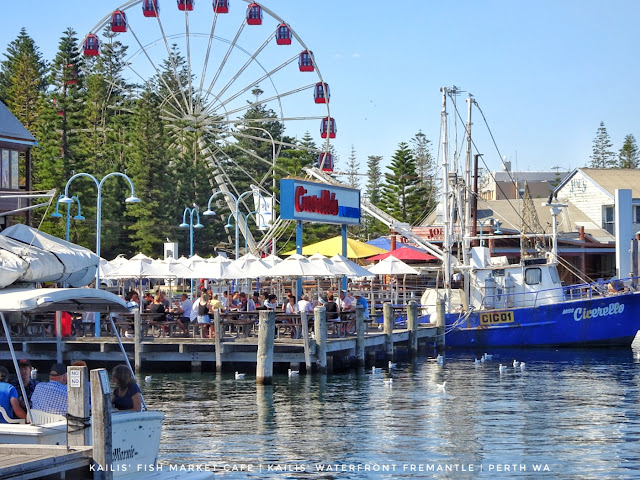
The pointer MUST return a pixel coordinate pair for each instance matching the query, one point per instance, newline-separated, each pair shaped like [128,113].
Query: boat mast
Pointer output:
[446,241]
[467,195]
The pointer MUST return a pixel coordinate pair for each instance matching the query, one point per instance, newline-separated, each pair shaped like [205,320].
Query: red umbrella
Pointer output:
[405,254]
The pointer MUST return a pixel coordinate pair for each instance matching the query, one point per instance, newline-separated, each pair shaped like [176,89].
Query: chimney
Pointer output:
[581,233]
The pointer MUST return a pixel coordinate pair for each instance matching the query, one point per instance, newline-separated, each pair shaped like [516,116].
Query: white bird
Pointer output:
[375,370]
[440,359]
[522,366]
[392,364]
[34,373]
[487,356]
[388,381]
[240,376]
[441,386]
[476,361]
[516,364]
[147,378]
[502,369]
[294,373]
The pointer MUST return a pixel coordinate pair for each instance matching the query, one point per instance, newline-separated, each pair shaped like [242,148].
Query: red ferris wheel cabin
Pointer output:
[328,127]
[254,14]
[325,162]
[283,34]
[185,5]
[305,61]
[150,8]
[221,6]
[91,45]
[118,21]
[321,92]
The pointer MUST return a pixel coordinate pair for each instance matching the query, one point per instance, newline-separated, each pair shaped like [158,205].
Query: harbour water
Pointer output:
[569,414]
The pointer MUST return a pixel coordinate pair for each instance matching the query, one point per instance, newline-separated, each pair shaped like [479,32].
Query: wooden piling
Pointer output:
[78,406]
[634,262]
[389,323]
[360,326]
[305,339]
[440,322]
[58,317]
[217,327]
[137,341]
[264,361]
[101,424]
[412,326]
[320,327]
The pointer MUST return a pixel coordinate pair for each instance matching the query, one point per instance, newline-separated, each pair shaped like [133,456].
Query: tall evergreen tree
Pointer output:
[602,156]
[401,195]
[629,156]
[23,78]
[353,169]
[374,177]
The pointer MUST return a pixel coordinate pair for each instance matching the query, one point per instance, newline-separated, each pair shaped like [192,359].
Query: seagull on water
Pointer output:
[294,373]
[441,386]
[502,369]
[147,378]
[374,369]
[388,381]
[477,361]
[522,366]
[392,364]
[486,357]
[440,359]
[516,364]
[240,376]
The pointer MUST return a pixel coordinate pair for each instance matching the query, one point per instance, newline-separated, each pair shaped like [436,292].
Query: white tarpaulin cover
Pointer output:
[49,258]
[60,299]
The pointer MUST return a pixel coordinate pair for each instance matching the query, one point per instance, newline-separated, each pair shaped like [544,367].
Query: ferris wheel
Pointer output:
[231,58]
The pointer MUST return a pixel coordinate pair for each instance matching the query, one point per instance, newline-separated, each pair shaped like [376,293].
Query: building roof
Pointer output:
[610,179]
[502,176]
[11,130]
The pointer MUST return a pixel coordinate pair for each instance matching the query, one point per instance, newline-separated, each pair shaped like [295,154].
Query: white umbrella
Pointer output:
[272,260]
[392,266]
[298,266]
[219,269]
[251,266]
[140,256]
[172,268]
[324,263]
[349,268]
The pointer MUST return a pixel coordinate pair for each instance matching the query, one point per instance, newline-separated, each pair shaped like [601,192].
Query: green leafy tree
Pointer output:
[628,156]
[401,193]
[602,156]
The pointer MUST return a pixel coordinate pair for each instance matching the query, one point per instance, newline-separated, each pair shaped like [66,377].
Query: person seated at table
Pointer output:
[331,307]
[235,301]
[360,300]
[242,302]
[305,305]
[51,396]
[158,310]
[132,299]
[202,306]
[291,307]
[215,303]
[184,312]
[9,397]
[126,395]
[165,301]
[345,303]
[147,300]
[270,302]
[251,302]
[260,302]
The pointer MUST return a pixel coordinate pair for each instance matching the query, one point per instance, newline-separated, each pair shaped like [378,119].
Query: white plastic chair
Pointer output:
[38,417]
[7,419]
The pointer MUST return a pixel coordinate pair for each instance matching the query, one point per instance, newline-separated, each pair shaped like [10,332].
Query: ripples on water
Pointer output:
[575,410]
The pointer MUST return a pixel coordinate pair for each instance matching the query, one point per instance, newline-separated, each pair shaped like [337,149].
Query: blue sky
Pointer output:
[545,73]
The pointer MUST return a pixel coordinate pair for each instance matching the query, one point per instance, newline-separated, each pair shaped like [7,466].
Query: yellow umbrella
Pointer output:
[333,246]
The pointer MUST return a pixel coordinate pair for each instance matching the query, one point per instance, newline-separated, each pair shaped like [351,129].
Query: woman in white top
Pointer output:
[292,306]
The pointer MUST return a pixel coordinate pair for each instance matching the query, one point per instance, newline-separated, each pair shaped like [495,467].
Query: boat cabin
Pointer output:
[328,128]
[305,61]
[150,8]
[185,5]
[321,92]
[221,6]
[283,34]
[254,14]
[118,21]
[91,45]
[325,162]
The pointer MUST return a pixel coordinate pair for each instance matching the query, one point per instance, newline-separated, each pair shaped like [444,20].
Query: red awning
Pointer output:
[405,254]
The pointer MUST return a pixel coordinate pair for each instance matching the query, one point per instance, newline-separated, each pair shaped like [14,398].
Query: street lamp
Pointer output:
[246,225]
[235,213]
[191,210]
[57,214]
[497,231]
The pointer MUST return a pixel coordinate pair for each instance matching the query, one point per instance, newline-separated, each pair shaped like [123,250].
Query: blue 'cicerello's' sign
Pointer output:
[318,202]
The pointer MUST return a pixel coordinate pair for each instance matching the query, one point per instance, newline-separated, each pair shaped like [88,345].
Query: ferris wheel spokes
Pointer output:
[188,44]
[266,100]
[208,51]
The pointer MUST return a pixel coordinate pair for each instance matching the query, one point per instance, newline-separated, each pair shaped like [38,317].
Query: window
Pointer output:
[554,275]
[608,217]
[532,276]
[636,214]
[10,169]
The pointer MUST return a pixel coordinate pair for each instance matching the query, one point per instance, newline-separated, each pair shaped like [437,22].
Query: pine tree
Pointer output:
[353,169]
[401,193]
[629,157]
[426,170]
[374,177]
[23,79]
[602,156]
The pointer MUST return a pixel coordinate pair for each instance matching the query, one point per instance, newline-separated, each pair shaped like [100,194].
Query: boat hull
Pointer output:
[599,321]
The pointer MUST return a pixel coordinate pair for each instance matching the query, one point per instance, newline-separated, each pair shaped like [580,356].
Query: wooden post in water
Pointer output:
[78,406]
[360,326]
[217,326]
[412,326]
[137,341]
[320,327]
[440,322]
[266,332]
[305,339]
[58,317]
[101,424]
[389,322]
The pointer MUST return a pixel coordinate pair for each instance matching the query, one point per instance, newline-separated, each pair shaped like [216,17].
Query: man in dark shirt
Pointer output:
[331,307]
[28,382]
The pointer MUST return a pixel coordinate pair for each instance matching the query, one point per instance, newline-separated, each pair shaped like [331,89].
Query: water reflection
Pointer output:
[576,411]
